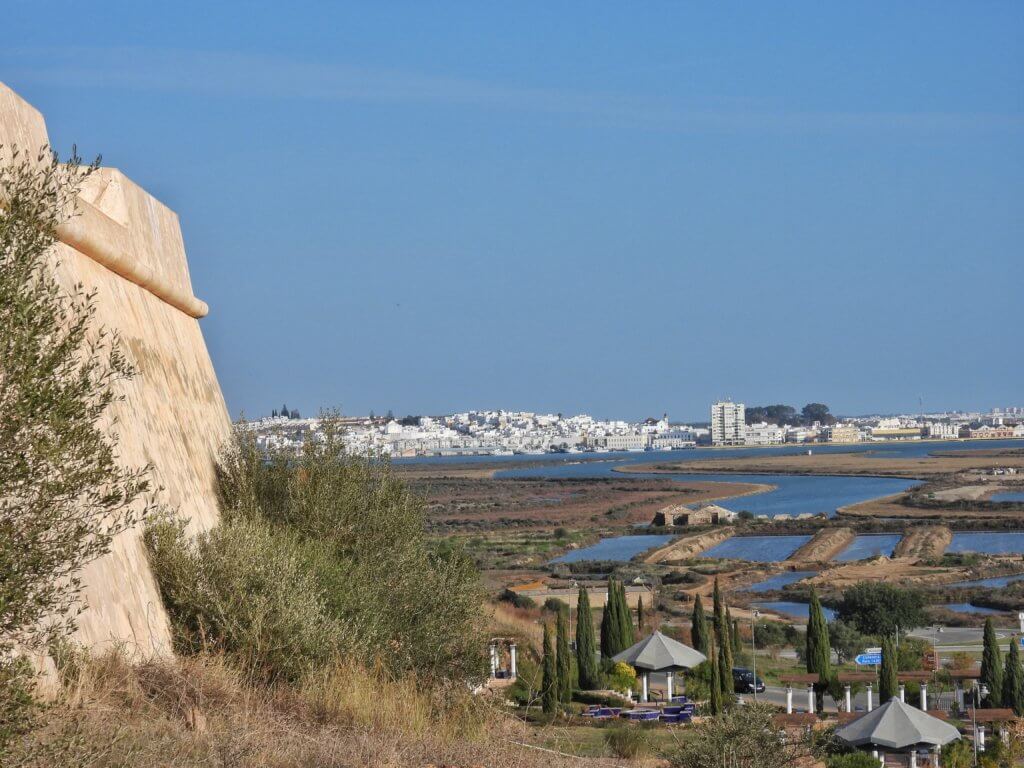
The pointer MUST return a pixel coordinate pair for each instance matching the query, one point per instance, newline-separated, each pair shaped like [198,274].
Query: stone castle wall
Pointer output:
[128,246]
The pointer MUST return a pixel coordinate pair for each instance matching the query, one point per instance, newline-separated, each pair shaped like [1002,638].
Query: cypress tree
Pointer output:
[699,628]
[562,661]
[627,634]
[725,680]
[723,637]
[716,608]
[640,615]
[1013,680]
[887,682]
[610,643]
[715,696]
[549,683]
[991,666]
[586,661]
[819,652]
[734,634]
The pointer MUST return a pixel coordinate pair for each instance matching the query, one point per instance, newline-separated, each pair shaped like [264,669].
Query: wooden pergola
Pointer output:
[959,677]
[996,718]
[799,678]
[923,677]
[848,679]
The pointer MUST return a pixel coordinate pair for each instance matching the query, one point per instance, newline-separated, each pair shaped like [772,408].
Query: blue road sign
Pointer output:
[868,659]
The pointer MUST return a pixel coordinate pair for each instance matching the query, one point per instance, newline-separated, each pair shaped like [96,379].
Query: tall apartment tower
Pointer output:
[728,423]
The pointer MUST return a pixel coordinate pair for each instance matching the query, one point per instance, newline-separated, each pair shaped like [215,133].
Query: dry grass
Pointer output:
[199,712]
[523,623]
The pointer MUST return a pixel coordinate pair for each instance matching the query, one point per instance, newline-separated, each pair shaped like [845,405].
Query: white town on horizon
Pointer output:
[504,433]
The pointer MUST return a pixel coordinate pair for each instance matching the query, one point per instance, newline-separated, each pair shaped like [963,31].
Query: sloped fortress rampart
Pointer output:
[128,246]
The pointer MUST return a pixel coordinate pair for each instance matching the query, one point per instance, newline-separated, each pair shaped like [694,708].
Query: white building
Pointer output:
[764,433]
[728,423]
[940,431]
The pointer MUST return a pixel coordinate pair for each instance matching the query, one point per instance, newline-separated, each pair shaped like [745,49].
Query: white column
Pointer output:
[494,660]
[935,757]
[981,738]
[643,689]
[870,705]
[903,693]
[846,694]
[513,670]
[924,697]
[913,757]
[789,698]
[1004,735]
[668,685]
[960,695]
[810,698]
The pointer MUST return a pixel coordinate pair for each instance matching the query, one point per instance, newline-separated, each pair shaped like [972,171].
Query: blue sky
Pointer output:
[616,208]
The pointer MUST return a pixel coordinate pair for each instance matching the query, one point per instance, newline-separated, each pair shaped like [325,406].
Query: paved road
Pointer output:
[949,639]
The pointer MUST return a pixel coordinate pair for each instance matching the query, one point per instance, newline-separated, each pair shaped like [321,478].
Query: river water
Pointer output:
[793,495]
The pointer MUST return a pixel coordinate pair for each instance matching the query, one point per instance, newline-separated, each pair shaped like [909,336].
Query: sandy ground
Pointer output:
[825,544]
[968,492]
[689,546]
[925,542]
[903,570]
[889,506]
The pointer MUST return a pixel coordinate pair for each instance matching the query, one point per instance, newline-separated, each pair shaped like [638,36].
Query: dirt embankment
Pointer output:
[689,546]
[927,542]
[890,507]
[824,545]
[902,571]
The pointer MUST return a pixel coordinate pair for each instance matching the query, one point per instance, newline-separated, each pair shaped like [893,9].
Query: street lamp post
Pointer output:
[979,692]
[753,648]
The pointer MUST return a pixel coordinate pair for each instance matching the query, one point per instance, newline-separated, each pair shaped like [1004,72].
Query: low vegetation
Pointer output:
[202,711]
[320,555]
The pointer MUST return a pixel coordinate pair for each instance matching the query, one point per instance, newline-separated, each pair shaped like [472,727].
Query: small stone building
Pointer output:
[681,515]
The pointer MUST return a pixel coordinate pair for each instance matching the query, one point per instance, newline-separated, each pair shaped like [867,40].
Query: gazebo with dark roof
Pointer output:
[897,727]
[659,653]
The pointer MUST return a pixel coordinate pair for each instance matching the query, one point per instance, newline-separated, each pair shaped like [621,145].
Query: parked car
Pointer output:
[743,681]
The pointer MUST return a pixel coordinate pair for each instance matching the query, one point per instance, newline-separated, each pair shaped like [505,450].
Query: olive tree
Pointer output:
[741,737]
[63,493]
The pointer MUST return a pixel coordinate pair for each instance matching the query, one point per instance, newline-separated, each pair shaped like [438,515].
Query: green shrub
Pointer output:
[600,699]
[627,741]
[852,760]
[621,678]
[556,606]
[247,590]
[333,547]
[519,601]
